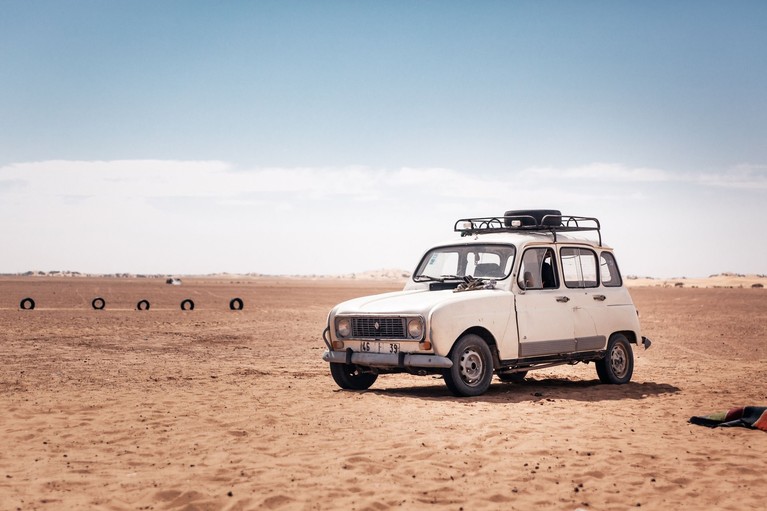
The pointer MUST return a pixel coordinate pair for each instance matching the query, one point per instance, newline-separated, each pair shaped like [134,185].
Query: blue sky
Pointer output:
[295,137]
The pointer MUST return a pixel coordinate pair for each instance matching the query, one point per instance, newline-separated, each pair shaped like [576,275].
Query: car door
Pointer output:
[581,279]
[544,315]
[611,304]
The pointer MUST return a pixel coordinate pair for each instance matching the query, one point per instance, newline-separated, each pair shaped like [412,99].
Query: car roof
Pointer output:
[522,239]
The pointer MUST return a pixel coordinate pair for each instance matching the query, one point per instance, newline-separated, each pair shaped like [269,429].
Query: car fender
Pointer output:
[491,310]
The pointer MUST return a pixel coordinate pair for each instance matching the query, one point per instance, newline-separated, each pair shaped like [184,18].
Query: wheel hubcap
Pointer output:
[471,366]
[619,361]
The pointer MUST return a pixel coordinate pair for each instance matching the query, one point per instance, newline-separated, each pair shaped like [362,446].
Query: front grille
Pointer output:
[378,328]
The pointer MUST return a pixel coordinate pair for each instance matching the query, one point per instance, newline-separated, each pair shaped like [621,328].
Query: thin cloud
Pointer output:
[145,179]
[749,177]
[9,185]
[119,178]
[745,176]
[602,172]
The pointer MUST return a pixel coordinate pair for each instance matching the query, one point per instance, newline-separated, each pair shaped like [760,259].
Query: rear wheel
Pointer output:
[618,364]
[350,377]
[472,369]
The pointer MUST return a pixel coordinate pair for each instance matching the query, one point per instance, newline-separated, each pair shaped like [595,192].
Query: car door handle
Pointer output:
[563,299]
[600,298]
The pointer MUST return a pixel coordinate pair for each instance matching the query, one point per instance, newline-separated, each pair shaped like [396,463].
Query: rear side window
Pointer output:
[608,270]
[579,267]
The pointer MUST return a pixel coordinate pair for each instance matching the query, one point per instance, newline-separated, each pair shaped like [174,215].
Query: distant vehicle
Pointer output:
[514,293]
[173,282]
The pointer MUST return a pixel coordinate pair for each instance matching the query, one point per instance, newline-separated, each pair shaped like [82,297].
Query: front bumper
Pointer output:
[404,360]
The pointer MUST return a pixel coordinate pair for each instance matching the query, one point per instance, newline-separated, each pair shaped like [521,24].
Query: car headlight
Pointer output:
[415,328]
[343,327]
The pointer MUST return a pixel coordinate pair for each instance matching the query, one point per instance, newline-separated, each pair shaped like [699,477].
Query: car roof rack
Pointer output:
[551,224]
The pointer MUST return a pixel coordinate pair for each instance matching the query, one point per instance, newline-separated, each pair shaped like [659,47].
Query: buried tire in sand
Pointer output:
[350,377]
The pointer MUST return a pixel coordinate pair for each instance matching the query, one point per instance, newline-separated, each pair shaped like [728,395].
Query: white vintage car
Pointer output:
[513,293]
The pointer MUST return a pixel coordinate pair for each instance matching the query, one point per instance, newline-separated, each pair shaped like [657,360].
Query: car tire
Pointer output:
[350,377]
[187,305]
[27,304]
[554,217]
[236,304]
[618,365]
[98,303]
[472,370]
[512,377]
[142,305]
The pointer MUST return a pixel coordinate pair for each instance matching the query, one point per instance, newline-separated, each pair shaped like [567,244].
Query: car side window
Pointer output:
[579,267]
[538,269]
[608,270]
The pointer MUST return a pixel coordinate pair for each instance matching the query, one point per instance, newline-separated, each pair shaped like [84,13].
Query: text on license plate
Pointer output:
[379,347]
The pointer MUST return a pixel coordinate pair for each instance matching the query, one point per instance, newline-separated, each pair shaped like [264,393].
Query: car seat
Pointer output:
[491,270]
[547,276]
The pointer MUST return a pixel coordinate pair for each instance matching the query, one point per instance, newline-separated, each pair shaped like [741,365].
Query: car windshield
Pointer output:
[458,261]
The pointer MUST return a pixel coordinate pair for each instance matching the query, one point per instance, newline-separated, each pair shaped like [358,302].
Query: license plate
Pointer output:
[379,347]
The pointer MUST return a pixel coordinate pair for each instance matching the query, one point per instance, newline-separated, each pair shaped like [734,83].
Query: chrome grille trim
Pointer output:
[388,328]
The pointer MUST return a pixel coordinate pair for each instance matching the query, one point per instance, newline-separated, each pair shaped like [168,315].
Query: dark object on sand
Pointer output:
[753,417]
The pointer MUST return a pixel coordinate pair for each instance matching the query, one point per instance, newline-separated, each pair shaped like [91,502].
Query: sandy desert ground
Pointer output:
[215,409]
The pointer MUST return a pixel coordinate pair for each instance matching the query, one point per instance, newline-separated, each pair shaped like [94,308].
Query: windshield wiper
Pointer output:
[423,278]
[441,278]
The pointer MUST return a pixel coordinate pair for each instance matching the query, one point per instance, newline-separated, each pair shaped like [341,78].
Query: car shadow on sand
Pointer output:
[545,389]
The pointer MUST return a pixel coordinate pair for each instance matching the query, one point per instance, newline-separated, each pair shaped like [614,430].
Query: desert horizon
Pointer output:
[724,279]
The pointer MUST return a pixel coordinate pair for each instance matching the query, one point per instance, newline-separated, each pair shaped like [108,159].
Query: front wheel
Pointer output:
[350,377]
[618,364]
[472,369]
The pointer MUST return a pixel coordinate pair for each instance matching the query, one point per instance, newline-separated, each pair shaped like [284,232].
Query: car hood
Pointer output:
[406,302]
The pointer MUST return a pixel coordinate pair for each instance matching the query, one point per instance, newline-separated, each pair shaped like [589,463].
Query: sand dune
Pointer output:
[217,409]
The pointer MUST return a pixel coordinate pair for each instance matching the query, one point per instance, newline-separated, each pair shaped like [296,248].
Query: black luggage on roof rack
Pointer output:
[551,217]
[531,220]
